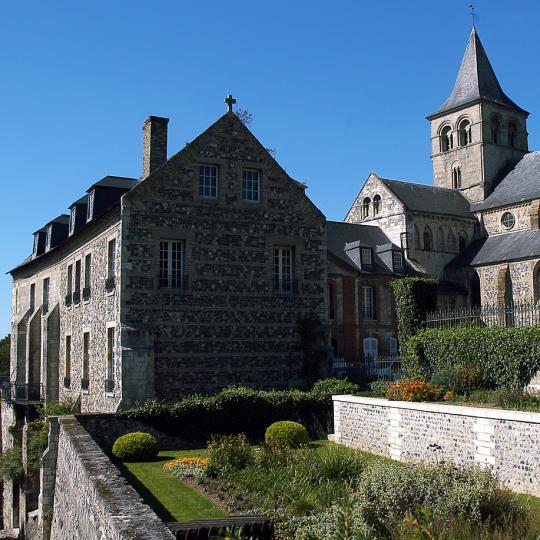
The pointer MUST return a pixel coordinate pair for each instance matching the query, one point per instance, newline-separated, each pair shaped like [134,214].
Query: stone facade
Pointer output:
[505,441]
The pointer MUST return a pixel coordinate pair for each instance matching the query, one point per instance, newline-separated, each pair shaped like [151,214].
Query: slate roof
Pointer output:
[82,200]
[62,218]
[476,80]
[119,182]
[522,183]
[430,199]
[341,234]
[500,248]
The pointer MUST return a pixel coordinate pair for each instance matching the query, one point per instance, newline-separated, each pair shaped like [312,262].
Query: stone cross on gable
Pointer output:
[230,101]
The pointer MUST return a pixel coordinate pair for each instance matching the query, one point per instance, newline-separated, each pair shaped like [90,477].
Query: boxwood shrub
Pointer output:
[245,410]
[286,433]
[505,357]
[136,446]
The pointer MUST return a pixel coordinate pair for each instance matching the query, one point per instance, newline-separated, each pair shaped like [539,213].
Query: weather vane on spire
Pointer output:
[473,14]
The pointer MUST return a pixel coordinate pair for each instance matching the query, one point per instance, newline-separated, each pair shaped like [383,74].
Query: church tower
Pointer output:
[478,134]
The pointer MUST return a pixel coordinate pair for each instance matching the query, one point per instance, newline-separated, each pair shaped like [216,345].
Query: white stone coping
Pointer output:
[458,410]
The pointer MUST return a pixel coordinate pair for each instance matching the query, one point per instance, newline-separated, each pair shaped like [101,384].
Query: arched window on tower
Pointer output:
[440,239]
[376,204]
[451,242]
[462,241]
[495,129]
[428,239]
[465,135]
[365,207]
[447,139]
[456,177]
[512,135]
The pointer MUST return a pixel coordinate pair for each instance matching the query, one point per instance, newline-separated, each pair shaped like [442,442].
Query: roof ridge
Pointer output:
[431,186]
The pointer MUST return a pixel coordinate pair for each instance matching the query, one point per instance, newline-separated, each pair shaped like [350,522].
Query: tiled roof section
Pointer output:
[119,182]
[431,199]
[522,183]
[500,248]
[341,234]
[476,80]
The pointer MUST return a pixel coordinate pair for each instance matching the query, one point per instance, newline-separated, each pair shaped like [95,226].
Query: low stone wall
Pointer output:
[91,498]
[506,441]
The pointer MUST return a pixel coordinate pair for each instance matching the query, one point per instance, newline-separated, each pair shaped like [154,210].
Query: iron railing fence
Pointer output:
[387,367]
[516,314]
[21,392]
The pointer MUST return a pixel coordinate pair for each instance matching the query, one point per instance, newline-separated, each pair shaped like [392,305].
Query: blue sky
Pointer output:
[338,89]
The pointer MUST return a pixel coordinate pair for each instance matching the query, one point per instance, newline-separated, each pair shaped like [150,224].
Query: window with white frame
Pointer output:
[397,260]
[369,303]
[366,256]
[49,237]
[283,268]
[392,346]
[90,206]
[110,354]
[111,258]
[250,185]
[86,355]
[208,181]
[171,264]
[371,350]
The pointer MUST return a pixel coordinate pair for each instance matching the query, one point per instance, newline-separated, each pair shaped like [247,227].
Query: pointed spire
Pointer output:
[476,80]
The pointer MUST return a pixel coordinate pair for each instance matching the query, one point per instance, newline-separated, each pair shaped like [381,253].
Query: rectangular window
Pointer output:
[111,256]
[32,300]
[36,243]
[110,359]
[331,307]
[393,346]
[67,367]
[208,181]
[365,256]
[371,350]
[283,269]
[87,270]
[250,185]
[86,355]
[397,260]
[77,286]
[171,264]
[69,283]
[45,295]
[72,220]
[369,303]
[90,206]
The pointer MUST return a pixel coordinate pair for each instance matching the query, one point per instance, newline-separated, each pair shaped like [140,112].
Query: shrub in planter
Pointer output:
[412,390]
[135,446]
[286,433]
[380,387]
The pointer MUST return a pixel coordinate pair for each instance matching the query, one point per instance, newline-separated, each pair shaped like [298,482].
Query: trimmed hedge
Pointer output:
[506,357]
[240,409]
[286,433]
[135,446]
[414,297]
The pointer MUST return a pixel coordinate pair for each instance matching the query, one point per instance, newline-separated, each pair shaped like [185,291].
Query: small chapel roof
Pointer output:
[476,80]
[430,199]
[521,184]
[500,248]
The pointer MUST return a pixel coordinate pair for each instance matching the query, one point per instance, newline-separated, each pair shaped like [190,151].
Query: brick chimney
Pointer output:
[155,143]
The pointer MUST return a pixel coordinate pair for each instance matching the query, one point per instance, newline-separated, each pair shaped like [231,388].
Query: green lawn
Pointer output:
[170,498]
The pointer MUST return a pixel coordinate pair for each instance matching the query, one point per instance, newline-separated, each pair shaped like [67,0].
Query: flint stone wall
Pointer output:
[505,441]
[91,498]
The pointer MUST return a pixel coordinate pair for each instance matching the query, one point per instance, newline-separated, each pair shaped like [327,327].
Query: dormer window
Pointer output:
[447,139]
[49,237]
[90,207]
[465,134]
[366,258]
[397,260]
[72,220]
[36,243]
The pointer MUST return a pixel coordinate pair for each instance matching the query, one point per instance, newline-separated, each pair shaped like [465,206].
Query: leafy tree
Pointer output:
[4,355]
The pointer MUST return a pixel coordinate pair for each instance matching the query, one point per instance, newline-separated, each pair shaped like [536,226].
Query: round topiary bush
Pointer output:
[286,433]
[136,446]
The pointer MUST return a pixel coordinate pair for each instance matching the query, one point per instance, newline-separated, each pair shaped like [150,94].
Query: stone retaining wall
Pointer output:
[91,498]
[505,441]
